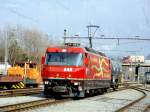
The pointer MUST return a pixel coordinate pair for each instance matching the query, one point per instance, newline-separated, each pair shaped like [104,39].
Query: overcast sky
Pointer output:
[116,18]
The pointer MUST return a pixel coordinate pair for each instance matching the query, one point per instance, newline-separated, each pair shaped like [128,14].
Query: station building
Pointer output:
[134,68]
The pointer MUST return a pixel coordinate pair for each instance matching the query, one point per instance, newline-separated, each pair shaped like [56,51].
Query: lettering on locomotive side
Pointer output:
[67,69]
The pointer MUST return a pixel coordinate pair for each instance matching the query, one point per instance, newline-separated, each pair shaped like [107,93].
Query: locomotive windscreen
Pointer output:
[64,58]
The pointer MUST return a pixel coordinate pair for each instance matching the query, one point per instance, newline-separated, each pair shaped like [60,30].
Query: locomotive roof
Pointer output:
[94,51]
[78,47]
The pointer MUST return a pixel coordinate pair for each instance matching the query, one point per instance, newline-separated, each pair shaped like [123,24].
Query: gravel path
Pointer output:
[103,103]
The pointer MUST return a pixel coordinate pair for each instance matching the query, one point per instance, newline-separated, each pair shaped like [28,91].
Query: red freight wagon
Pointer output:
[75,71]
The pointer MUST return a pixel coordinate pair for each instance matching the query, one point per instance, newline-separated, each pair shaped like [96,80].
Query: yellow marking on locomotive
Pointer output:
[20,85]
[100,70]
[17,86]
[94,60]
[13,86]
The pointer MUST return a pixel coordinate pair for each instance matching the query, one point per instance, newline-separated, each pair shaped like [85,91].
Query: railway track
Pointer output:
[26,105]
[142,104]
[19,92]
[31,104]
[29,91]
[101,103]
[35,104]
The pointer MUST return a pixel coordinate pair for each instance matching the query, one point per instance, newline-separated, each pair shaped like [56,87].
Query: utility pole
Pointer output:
[65,36]
[90,36]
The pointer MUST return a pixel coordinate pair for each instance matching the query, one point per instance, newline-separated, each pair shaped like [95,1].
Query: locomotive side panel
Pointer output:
[98,72]
[99,67]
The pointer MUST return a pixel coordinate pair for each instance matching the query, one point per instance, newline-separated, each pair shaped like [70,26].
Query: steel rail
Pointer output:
[123,109]
[17,92]
[31,104]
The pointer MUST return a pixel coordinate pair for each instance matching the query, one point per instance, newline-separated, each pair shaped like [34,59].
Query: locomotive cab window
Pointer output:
[64,58]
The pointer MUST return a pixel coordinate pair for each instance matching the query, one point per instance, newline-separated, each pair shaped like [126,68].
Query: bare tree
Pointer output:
[2,51]
[35,43]
[15,53]
[23,44]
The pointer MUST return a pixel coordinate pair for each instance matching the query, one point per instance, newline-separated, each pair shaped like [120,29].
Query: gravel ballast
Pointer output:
[103,103]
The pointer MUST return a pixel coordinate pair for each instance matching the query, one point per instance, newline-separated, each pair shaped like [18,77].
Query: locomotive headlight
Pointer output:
[76,83]
[45,82]
[64,50]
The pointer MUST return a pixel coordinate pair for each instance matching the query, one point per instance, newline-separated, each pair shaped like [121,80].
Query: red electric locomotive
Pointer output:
[74,71]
